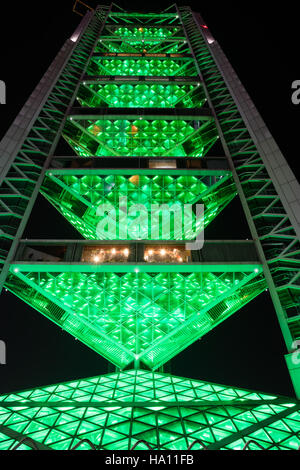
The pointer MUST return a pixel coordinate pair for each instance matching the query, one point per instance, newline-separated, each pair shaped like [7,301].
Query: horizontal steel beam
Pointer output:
[138,404]
[51,241]
[137,56]
[66,256]
[151,80]
[138,171]
[147,25]
[126,14]
[129,39]
[205,166]
[49,267]
[187,114]
[207,160]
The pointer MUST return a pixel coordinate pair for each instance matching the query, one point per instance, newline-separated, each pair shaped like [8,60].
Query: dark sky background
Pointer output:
[247,350]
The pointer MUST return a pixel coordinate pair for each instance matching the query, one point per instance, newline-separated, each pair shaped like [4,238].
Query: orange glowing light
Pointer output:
[135,179]
[96,130]
[134,130]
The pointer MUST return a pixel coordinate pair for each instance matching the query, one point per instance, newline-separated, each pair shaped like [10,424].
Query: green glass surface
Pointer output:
[78,197]
[149,66]
[139,137]
[117,410]
[141,96]
[149,317]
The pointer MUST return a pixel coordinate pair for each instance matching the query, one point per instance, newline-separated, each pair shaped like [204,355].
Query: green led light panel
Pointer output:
[136,315]
[143,39]
[142,66]
[139,137]
[115,411]
[129,45]
[78,197]
[143,32]
[145,96]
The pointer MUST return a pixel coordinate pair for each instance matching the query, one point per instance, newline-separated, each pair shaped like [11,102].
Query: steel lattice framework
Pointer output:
[31,141]
[117,411]
[267,187]
[142,100]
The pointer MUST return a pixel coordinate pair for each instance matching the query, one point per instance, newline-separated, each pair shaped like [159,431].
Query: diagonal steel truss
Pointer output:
[33,137]
[268,190]
[256,161]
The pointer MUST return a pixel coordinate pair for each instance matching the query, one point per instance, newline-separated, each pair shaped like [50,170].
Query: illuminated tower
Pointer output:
[143,100]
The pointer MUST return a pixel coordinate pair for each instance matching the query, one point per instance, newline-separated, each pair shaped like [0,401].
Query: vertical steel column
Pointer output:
[268,190]
[29,144]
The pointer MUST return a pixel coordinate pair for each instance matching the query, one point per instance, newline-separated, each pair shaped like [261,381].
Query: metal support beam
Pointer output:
[18,436]
[138,25]
[187,114]
[254,159]
[31,141]
[137,56]
[123,79]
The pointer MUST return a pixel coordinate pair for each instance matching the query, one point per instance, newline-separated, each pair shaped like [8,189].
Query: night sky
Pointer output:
[247,350]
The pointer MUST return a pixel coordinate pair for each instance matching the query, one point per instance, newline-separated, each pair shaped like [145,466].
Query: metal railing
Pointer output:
[149,446]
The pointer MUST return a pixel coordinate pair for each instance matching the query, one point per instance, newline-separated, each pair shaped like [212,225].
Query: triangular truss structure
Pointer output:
[155,120]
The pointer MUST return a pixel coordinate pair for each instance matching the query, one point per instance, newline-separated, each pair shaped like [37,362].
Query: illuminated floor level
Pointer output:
[135,137]
[78,195]
[141,95]
[141,66]
[115,411]
[136,312]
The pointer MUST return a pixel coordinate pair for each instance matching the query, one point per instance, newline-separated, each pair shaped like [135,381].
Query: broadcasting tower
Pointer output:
[152,116]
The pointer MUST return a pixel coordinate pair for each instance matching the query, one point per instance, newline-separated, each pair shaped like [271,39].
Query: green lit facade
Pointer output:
[116,411]
[143,109]
[139,138]
[132,316]
[78,196]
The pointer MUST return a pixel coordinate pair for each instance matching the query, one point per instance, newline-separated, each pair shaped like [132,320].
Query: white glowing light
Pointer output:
[75,37]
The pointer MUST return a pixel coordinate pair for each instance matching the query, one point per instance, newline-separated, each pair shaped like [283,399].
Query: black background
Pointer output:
[261,41]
